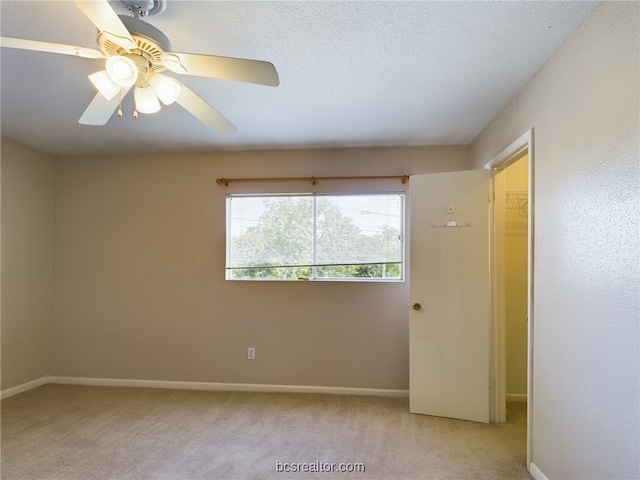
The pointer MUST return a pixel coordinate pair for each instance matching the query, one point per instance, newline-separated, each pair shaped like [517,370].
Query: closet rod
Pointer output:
[313,180]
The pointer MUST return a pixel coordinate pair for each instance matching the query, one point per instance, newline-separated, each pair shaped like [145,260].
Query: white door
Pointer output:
[450,295]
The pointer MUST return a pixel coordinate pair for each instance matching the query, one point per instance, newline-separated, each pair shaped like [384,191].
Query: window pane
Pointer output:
[269,234]
[315,236]
[358,229]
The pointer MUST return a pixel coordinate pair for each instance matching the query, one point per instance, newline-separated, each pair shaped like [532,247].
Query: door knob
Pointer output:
[416,306]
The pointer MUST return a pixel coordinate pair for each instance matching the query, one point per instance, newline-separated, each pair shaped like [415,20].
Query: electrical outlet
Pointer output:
[251,353]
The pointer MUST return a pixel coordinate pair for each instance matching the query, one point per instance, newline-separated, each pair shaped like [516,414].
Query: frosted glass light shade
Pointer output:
[103,83]
[146,100]
[166,88]
[122,71]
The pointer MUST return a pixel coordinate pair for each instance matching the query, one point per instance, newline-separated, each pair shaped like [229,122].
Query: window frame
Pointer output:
[314,278]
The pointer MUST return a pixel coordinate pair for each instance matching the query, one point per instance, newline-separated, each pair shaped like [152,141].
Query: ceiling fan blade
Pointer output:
[204,112]
[100,109]
[24,44]
[227,68]
[107,21]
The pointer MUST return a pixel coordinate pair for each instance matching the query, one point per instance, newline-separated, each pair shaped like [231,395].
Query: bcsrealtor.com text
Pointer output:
[319,466]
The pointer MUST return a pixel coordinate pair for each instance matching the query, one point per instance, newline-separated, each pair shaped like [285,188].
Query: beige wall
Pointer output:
[584,107]
[27,196]
[138,275]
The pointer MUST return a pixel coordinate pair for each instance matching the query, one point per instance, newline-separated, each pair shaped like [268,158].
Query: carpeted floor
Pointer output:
[91,433]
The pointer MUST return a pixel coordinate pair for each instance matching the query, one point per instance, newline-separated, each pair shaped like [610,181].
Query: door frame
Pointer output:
[524,144]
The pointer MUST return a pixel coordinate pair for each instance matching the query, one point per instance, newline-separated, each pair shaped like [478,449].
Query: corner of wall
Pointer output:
[27,213]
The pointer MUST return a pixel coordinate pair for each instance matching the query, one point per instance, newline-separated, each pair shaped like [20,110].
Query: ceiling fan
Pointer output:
[136,53]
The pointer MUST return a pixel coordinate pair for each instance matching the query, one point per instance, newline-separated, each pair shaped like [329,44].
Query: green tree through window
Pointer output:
[315,236]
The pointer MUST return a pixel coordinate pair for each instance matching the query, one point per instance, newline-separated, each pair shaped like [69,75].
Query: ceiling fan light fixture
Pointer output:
[146,100]
[121,70]
[166,88]
[103,83]
[135,52]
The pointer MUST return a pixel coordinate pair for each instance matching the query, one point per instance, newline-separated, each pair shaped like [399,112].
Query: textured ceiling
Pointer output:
[351,73]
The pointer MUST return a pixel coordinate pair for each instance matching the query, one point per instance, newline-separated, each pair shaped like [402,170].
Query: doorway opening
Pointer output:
[512,283]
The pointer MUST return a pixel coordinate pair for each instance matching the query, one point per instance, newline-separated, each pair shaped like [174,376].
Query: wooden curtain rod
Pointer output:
[313,180]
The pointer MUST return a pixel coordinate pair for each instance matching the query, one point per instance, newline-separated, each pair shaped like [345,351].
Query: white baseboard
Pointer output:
[516,397]
[10,392]
[536,473]
[227,387]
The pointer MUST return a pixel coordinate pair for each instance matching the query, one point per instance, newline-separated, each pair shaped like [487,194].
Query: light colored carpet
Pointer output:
[91,433]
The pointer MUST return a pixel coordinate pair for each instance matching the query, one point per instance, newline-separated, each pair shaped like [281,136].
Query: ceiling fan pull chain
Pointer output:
[135,114]
[120,104]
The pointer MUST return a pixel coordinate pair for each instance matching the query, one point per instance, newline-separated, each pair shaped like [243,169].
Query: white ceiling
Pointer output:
[351,73]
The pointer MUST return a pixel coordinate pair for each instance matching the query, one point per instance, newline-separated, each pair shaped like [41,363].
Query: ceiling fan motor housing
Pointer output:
[152,43]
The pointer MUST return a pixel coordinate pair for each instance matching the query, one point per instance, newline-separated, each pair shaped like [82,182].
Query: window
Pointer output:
[309,236]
